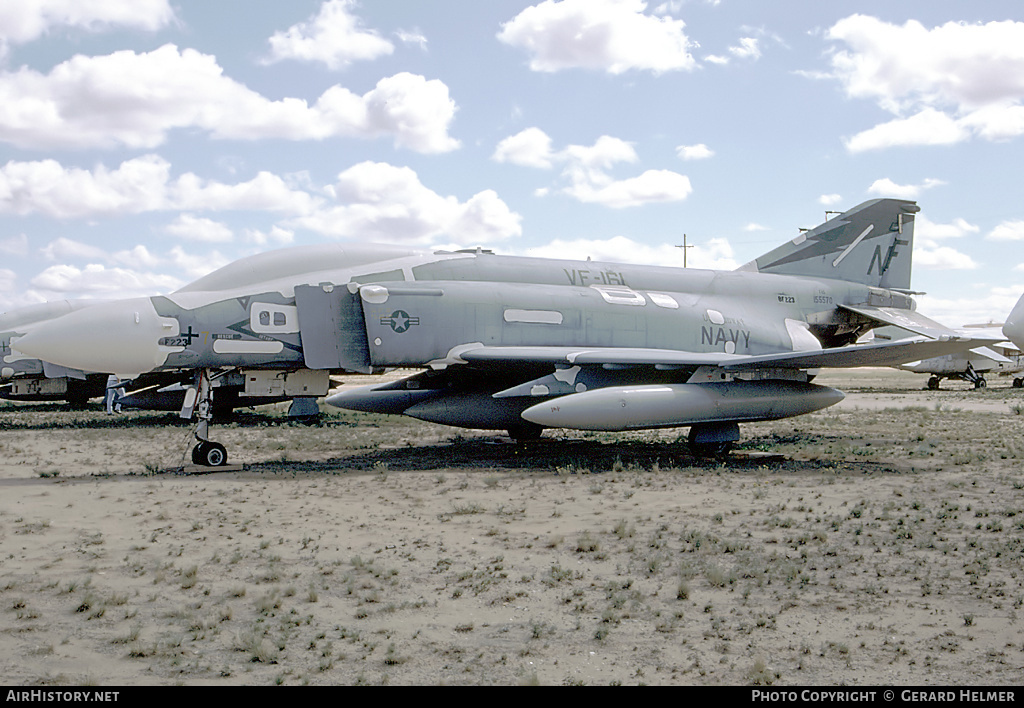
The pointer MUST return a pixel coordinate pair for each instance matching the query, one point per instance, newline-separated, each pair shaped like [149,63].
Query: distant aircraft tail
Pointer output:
[870,244]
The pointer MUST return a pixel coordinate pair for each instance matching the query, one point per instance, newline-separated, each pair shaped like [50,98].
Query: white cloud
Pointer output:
[1007,231]
[334,37]
[999,121]
[379,201]
[694,152]
[530,148]
[64,248]
[748,49]
[829,199]
[193,228]
[26,21]
[651,186]
[134,100]
[97,279]
[412,37]
[586,170]
[602,155]
[136,257]
[929,127]
[276,235]
[944,84]
[930,254]
[7,280]
[264,192]
[604,35]
[751,227]
[138,185]
[667,8]
[924,228]
[934,257]
[887,188]
[983,304]
[132,268]
[196,265]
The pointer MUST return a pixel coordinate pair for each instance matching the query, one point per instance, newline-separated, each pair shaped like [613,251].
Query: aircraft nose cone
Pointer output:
[121,337]
[1014,327]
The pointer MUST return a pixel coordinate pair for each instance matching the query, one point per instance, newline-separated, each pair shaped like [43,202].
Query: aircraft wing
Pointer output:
[595,356]
[883,354]
[990,354]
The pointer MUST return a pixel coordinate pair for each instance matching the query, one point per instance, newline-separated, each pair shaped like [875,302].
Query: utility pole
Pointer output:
[684,247]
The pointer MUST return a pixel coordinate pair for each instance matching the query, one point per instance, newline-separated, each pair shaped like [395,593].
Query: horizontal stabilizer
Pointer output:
[912,322]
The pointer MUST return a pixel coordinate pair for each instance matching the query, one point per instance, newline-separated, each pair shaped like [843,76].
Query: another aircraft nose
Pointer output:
[121,337]
[1014,327]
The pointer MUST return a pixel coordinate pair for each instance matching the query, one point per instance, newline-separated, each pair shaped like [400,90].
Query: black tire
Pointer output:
[209,454]
[711,449]
[980,383]
[933,383]
[214,455]
[1018,383]
[525,431]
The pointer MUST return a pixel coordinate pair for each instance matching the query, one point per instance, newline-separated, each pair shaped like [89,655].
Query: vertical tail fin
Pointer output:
[870,244]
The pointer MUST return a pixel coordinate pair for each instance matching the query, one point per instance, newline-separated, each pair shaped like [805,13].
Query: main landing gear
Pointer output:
[199,401]
[713,440]
[970,376]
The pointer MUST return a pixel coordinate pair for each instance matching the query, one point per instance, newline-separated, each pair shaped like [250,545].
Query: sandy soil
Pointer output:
[878,542]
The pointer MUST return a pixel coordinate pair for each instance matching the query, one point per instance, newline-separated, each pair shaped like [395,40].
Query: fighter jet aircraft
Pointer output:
[24,378]
[969,365]
[27,379]
[523,344]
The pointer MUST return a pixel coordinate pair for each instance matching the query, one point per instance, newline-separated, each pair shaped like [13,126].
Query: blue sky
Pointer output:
[146,142]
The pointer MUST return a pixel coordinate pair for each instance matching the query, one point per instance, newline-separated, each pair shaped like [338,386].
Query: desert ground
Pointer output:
[879,542]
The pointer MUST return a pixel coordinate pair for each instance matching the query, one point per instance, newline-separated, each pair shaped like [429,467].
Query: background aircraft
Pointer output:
[522,344]
[24,378]
[28,379]
[970,365]
[1013,328]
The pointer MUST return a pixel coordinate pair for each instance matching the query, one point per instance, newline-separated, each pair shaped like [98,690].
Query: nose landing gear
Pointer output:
[199,400]
[209,454]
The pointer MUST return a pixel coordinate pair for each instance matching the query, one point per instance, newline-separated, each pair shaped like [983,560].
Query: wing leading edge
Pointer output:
[876,354]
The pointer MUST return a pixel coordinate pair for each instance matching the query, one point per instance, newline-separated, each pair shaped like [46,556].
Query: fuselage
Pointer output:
[360,308]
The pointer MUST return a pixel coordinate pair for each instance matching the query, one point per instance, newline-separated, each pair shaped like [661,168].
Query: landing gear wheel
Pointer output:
[1018,383]
[525,431]
[980,382]
[209,454]
[712,449]
[933,383]
[712,440]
